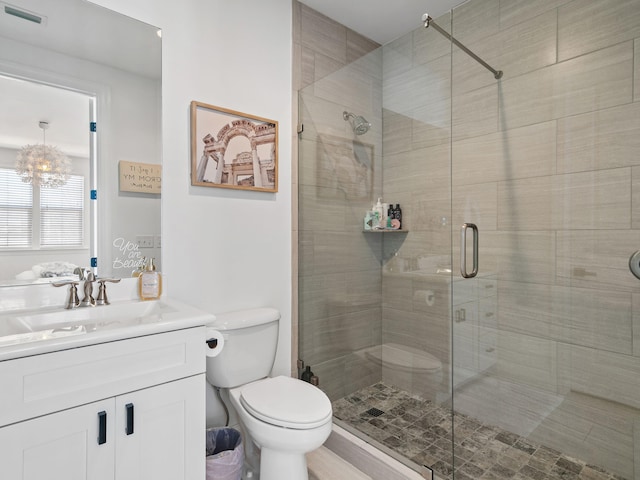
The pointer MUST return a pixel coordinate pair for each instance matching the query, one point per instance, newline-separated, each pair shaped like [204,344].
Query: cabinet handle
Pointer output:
[102,427]
[129,407]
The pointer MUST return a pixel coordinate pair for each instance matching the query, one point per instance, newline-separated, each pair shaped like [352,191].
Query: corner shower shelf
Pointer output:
[385,230]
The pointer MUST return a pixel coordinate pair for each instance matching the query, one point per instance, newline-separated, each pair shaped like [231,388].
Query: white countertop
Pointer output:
[48,329]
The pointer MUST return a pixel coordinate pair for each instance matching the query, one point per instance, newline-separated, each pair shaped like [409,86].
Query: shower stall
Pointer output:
[531,367]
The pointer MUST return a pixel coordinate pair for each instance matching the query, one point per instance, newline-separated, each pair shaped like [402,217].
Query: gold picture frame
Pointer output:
[227,147]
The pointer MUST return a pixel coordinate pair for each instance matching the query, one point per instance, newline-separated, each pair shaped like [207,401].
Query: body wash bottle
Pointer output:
[150,283]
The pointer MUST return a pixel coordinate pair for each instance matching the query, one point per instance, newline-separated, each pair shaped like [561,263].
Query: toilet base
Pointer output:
[277,465]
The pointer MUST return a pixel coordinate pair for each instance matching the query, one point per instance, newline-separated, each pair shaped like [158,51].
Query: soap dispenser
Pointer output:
[150,282]
[142,266]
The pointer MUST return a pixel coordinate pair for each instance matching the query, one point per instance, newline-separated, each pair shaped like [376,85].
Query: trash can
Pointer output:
[225,454]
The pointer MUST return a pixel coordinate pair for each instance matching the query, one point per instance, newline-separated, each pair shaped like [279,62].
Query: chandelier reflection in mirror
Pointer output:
[43,165]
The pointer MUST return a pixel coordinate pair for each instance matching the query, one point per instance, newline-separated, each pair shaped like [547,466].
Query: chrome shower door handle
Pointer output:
[463,250]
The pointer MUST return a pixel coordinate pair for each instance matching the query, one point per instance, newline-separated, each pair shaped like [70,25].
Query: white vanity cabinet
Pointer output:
[123,410]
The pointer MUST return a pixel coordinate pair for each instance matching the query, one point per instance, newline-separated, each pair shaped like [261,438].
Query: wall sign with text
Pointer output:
[140,177]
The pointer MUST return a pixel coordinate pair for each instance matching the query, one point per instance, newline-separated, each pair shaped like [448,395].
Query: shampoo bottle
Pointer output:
[398,216]
[150,283]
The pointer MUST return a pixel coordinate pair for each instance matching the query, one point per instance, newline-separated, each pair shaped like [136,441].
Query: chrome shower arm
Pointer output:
[428,22]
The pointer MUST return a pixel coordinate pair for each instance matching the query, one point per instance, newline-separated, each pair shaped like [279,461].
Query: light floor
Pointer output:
[421,431]
[323,464]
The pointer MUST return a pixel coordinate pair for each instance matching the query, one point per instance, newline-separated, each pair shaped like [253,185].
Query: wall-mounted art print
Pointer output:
[230,149]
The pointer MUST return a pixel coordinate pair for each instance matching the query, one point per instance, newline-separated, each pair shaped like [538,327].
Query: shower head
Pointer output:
[358,123]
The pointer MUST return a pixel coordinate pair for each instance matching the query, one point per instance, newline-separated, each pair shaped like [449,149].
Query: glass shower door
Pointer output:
[545,355]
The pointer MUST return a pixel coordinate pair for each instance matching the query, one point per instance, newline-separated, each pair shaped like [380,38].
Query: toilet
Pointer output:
[283,416]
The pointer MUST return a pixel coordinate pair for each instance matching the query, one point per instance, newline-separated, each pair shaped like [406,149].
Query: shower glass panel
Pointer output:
[374,306]
[545,356]
[529,369]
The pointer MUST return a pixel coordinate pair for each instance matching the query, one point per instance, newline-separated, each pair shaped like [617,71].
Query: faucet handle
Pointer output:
[73,301]
[102,290]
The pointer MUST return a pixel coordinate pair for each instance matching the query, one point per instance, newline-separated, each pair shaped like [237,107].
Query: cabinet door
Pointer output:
[161,432]
[61,445]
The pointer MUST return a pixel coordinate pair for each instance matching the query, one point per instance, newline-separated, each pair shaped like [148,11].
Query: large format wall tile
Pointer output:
[358,46]
[592,318]
[405,90]
[602,374]
[608,138]
[475,20]
[597,259]
[636,71]
[322,34]
[518,153]
[588,25]
[475,204]
[396,135]
[429,44]
[594,430]
[589,200]
[513,12]
[475,113]
[523,48]
[527,359]
[521,256]
[636,324]
[353,87]
[635,196]
[598,80]
[340,335]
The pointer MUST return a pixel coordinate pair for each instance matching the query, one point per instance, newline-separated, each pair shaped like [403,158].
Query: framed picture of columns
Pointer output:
[230,149]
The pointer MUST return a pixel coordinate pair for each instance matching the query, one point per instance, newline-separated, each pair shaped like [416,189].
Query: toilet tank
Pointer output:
[249,347]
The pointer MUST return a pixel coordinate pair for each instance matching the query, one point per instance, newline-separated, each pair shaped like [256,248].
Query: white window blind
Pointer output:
[62,214]
[16,210]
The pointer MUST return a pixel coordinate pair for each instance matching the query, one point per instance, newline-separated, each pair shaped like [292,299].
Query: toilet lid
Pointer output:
[287,402]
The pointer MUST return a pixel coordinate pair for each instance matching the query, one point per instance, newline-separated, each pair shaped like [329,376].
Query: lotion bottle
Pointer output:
[378,208]
[150,283]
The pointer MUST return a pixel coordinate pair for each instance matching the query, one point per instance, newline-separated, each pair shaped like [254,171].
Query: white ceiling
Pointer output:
[381,20]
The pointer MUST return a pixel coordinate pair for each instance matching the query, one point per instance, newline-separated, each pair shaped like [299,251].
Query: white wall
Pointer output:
[224,249]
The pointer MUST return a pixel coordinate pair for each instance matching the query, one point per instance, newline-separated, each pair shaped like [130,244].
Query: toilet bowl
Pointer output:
[286,418]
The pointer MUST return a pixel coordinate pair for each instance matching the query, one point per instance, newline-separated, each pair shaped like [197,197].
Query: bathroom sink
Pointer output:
[93,318]
[28,332]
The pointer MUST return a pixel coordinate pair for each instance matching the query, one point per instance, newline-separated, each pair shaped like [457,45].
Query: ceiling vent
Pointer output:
[24,14]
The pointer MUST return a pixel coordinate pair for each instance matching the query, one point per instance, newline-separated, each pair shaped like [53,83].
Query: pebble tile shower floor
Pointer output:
[420,430]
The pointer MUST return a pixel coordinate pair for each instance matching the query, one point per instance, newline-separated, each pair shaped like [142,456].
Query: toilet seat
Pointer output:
[286,402]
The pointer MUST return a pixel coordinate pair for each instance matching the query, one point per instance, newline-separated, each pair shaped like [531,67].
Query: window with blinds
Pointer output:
[16,210]
[62,214]
[58,216]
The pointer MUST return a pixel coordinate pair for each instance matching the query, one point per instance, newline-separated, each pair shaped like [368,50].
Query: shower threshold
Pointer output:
[419,431]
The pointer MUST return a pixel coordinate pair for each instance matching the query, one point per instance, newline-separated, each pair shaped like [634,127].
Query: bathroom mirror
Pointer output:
[78,67]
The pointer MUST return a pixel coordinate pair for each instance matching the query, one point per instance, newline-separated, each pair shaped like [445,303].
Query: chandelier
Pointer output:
[43,165]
